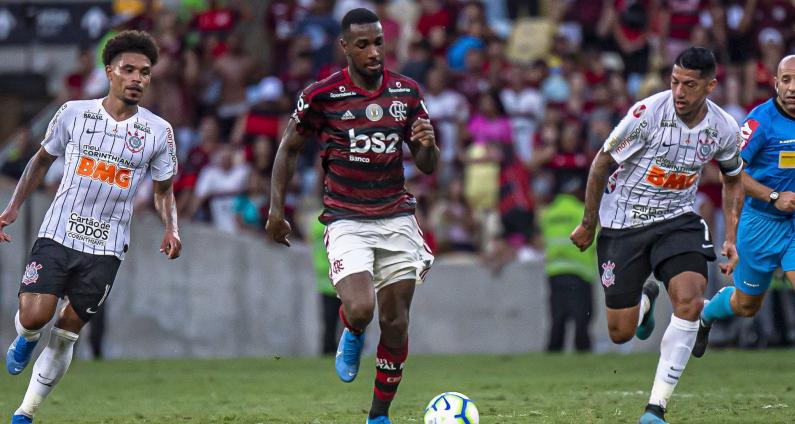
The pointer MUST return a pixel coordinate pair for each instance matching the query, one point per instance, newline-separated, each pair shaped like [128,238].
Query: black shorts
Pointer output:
[628,256]
[84,278]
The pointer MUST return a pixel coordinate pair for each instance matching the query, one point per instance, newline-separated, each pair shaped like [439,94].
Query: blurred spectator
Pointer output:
[251,206]
[449,113]
[233,70]
[525,106]
[218,185]
[323,31]
[489,130]
[197,158]
[281,19]
[455,225]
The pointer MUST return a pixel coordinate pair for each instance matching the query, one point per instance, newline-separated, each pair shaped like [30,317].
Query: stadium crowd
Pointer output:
[521,93]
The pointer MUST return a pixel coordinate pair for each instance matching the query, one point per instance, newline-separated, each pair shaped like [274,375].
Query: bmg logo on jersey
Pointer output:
[105,172]
[377,143]
[87,229]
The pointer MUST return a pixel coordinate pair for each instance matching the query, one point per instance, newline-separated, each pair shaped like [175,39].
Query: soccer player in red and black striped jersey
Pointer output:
[363,115]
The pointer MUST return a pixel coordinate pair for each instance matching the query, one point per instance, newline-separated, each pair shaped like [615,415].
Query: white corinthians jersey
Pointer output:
[660,161]
[104,162]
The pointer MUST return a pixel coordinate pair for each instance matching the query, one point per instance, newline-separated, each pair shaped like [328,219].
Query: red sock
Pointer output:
[355,331]
[389,370]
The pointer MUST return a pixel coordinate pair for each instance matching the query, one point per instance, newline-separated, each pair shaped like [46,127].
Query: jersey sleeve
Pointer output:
[307,115]
[57,136]
[752,137]
[630,135]
[164,162]
[728,154]
[416,110]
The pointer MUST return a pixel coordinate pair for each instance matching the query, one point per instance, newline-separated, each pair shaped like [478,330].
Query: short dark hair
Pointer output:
[697,59]
[357,17]
[130,41]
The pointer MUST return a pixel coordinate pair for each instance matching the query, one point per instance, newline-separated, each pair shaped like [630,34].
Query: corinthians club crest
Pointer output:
[608,277]
[134,142]
[31,273]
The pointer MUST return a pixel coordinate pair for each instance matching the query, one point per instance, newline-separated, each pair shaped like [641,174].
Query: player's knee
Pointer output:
[689,308]
[33,320]
[394,324]
[620,334]
[359,314]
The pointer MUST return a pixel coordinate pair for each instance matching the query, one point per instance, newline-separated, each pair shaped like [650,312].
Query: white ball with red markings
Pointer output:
[451,408]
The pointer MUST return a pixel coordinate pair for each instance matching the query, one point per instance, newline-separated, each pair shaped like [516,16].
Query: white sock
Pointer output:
[29,335]
[675,348]
[645,305]
[48,370]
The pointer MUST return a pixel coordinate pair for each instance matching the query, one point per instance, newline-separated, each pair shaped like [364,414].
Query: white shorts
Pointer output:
[390,249]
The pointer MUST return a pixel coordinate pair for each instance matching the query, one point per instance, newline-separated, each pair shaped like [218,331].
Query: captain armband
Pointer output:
[731,167]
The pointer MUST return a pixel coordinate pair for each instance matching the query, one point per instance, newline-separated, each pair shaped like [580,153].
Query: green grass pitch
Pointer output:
[723,387]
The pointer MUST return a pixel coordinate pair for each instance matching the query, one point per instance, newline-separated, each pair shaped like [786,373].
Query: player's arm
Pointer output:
[284,164]
[423,146]
[759,191]
[166,207]
[30,180]
[583,235]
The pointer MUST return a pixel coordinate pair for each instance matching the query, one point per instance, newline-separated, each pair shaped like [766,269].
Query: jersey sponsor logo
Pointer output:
[31,273]
[398,110]
[668,123]
[608,277]
[172,148]
[142,127]
[93,115]
[387,365]
[103,171]
[302,104]
[347,116]
[87,229]
[658,177]
[787,141]
[747,131]
[343,94]
[377,143]
[632,136]
[112,133]
[638,111]
[134,142]
[645,213]
[374,112]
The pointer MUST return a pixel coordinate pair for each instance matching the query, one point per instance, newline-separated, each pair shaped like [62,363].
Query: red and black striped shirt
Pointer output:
[362,135]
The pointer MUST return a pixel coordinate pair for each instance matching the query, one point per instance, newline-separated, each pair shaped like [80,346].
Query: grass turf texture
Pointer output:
[723,387]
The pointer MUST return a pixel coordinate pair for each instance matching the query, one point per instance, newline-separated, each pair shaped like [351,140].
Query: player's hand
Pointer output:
[171,245]
[422,132]
[729,250]
[278,229]
[785,202]
[6,218]
[582,237]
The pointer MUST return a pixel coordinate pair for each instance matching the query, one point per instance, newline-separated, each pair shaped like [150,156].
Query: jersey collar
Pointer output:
[349,82]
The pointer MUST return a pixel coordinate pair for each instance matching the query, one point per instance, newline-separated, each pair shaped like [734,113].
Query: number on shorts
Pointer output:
[707,239]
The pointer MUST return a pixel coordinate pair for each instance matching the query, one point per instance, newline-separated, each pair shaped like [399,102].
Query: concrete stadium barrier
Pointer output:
[232,296]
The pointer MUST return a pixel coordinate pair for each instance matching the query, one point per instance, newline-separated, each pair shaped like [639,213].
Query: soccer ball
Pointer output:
[451,408]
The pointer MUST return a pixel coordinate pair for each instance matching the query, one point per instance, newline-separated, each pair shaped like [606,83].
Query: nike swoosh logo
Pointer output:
[93,131]
[17,369]
[339,352]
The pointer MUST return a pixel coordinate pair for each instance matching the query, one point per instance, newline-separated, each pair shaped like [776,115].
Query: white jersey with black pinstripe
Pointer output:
[105,161]
[660,161]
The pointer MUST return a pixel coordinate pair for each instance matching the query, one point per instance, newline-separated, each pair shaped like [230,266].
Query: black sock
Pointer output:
[379,407]
[656,410]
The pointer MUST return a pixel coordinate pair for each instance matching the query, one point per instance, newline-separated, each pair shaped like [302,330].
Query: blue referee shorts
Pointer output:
[764,243]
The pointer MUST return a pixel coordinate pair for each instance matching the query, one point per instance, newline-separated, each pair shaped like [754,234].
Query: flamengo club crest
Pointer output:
[398,110]
[134,142]
[31,273]
[374,112]
[608,277]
